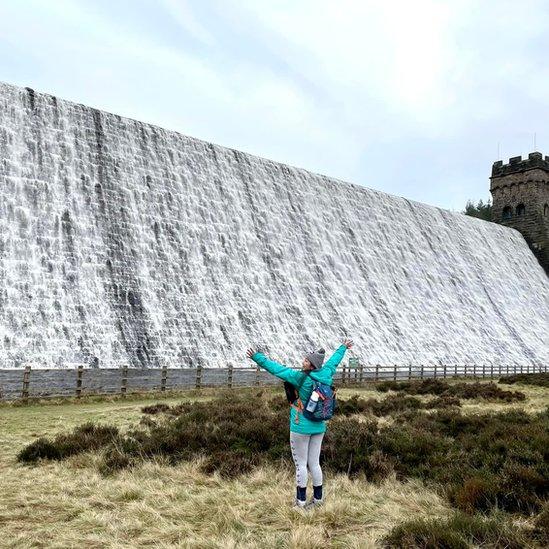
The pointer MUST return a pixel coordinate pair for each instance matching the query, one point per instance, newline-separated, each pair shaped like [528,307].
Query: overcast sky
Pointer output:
[408,97]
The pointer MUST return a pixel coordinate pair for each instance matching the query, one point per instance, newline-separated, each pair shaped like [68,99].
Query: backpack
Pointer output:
[320,409]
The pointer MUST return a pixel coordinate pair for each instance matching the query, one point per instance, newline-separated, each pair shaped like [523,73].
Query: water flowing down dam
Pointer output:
[122,243]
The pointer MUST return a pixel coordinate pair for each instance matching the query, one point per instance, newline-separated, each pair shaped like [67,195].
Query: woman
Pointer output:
[305,435]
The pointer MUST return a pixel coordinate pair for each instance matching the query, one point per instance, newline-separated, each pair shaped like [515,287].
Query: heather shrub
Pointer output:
[231,465]
[445,401]
[494,460]
[417,452]
[395,404]
[456,532]
[424,534]
[158,408]
[391,405]
[475,494]
[41,448]
[348,445]
[540,379]
[82,439]
[114,459]
[415,387]
[353,405]
[479,461]
[380,466]
[487,391]
[233,436]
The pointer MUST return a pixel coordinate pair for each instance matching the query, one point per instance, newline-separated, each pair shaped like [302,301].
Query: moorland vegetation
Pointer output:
[492,467]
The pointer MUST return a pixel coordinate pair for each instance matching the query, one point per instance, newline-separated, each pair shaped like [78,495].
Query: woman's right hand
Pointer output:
[250,353]
[348,343]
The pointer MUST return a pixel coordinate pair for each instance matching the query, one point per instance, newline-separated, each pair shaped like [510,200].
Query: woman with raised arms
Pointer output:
[305,434]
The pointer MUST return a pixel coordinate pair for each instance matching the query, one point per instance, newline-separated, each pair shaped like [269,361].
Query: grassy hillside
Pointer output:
[167,499]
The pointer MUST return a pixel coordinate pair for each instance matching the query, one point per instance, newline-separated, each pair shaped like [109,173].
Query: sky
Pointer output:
[416,99]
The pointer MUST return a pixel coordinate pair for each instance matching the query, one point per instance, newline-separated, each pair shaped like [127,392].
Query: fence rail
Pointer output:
[30,383]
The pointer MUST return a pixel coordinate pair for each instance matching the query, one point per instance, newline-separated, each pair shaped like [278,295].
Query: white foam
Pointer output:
[212,251]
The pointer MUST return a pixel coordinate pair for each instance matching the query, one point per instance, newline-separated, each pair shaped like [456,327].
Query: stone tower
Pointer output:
[520,196]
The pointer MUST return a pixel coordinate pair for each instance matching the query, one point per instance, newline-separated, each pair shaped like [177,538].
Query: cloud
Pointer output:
[410,98]
[180,11]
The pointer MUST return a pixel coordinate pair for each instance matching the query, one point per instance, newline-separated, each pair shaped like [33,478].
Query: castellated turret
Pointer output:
[520,194]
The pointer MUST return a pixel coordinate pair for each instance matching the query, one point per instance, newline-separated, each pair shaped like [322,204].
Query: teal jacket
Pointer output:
[304,384]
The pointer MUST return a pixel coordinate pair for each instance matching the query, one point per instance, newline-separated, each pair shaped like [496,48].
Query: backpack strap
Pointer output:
[299,407]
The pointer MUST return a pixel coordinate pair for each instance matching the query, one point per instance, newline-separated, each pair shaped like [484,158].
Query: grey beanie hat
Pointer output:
[316,358]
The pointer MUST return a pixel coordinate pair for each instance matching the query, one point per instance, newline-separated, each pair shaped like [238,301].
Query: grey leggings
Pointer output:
[306,453]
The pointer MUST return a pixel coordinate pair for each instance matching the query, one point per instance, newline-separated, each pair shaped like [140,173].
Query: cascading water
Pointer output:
[122,243]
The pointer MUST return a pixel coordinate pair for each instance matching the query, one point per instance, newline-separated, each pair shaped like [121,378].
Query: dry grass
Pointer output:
[68,504]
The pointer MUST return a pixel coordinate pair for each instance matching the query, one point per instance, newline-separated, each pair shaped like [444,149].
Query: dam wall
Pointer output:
[125,244]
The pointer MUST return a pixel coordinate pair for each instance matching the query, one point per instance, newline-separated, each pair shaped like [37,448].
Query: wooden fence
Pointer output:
[354,372]
[46,383]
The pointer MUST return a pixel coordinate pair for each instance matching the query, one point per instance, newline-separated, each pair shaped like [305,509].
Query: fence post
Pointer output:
[455,370]
[79,374]
[395,373]
[343,375]
[198,383]
[124,380]
[465,370]
[230,376]
[26,383]
[257,375]
[163,378]
[376,378]
[351,364]
[507,368]
[421,372]
[483,370]
[475,370]
[444,371]
[515,368]
[409,371]
[361,376]
[521,367]
[435,372]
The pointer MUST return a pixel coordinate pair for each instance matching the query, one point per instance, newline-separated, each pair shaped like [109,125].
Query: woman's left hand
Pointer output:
[250,353]
[348,343]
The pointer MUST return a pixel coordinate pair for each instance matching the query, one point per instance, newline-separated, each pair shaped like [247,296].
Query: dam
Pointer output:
[123,244]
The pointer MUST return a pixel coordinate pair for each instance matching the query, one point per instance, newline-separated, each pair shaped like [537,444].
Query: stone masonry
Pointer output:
[123,244]
[520,194]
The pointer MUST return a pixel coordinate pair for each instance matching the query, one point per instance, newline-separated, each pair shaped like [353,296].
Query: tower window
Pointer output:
[546,210]
[521,209]
[507,212]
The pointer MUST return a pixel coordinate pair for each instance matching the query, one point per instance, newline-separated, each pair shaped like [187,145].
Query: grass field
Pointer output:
[70,504]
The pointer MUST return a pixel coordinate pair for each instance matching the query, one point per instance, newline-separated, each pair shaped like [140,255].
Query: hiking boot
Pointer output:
[301,504]
[313,502]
